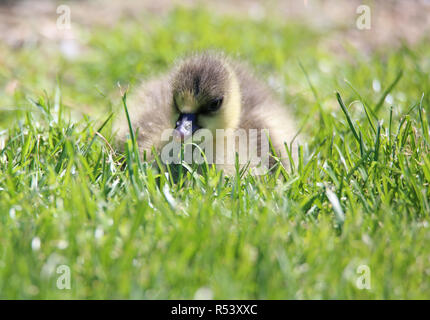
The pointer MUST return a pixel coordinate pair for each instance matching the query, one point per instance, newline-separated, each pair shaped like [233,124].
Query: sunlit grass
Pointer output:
[358,194]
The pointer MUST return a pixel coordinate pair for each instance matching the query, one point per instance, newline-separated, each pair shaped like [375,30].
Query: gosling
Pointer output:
[210,91]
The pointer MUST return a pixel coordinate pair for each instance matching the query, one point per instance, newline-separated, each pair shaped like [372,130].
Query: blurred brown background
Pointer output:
[29,22]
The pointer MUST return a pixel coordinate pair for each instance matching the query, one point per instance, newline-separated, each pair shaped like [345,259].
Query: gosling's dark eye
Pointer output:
[214,105]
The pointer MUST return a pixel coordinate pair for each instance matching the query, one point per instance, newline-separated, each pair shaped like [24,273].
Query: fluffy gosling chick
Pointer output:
[212,92]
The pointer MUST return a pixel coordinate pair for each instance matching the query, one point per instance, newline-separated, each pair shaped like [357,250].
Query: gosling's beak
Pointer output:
[185,126]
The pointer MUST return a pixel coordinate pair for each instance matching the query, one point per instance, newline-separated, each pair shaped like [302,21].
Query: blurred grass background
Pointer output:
[64,198]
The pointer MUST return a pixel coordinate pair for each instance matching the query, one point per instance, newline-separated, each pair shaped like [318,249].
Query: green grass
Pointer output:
[358,194]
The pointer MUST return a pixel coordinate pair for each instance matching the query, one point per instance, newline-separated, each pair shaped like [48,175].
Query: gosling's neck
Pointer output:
[233,105]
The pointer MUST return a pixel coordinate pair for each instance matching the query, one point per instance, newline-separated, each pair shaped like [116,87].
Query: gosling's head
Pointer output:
[206,95]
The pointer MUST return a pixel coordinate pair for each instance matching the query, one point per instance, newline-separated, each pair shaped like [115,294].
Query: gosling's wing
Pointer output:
[150,111]
[261,110]
[271,119]
[282,129]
